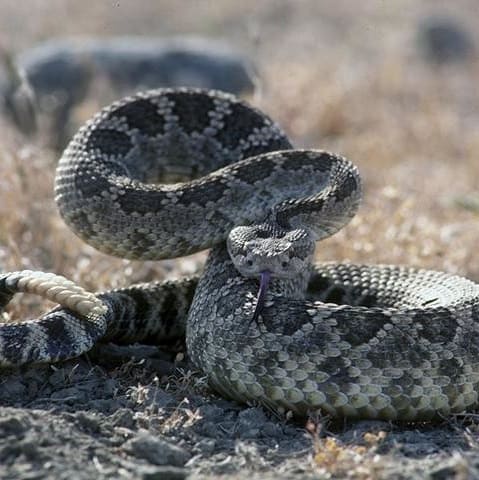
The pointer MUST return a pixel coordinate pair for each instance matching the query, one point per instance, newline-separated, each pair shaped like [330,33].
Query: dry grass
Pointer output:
[332,457]
[412,129]
[418,165]
[409,132]
[335,77]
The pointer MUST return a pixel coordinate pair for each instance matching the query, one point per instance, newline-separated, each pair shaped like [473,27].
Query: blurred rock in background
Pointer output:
[17,98]
[443,40]
[46,83]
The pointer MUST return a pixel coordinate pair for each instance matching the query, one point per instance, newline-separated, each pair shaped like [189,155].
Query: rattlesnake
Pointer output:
[349,340]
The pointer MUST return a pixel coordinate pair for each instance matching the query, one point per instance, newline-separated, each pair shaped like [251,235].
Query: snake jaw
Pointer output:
[265,277]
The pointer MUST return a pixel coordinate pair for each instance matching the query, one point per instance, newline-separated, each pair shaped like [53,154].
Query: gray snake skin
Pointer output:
[170,172]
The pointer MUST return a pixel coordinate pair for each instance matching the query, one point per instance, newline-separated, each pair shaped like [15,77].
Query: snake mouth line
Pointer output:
[265,277]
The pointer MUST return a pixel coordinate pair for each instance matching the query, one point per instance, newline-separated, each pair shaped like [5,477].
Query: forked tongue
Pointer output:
[265,277]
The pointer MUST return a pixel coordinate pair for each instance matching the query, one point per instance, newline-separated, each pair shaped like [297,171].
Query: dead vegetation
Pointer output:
[359,89]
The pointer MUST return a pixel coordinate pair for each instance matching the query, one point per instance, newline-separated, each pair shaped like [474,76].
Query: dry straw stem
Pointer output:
[332,457]
[416,149]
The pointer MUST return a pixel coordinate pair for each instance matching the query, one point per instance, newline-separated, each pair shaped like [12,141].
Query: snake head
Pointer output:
[268,251]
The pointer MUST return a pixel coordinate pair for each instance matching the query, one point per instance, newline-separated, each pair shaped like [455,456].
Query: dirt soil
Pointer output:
[346,76]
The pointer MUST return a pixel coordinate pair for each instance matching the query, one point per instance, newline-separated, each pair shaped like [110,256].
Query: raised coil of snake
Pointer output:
[170,172]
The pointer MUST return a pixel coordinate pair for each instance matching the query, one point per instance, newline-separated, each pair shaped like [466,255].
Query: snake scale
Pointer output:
[173,171]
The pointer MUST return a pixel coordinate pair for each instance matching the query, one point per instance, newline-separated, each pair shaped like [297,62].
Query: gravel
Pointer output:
[82,420]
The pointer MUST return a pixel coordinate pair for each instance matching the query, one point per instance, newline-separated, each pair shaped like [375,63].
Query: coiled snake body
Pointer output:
[349,340]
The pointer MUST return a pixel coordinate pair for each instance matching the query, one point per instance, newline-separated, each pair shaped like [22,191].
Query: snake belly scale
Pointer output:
[170,172]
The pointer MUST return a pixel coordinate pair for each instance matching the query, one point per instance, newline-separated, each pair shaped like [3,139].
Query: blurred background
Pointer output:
[391,84]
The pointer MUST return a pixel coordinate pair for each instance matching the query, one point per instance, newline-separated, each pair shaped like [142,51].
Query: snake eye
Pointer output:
[284,264]
[249,263]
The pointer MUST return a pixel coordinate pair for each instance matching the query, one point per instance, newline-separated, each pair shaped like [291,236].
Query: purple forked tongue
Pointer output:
[265,277]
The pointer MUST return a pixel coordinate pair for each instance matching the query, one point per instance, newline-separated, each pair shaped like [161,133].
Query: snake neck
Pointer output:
[292,288]
[224,305]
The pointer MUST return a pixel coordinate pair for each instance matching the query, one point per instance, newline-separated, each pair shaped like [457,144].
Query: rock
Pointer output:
[123,418]
[443,40]
[162,473]
[253,423]
[156,450]
[13,425]
[12,388]
[62,73]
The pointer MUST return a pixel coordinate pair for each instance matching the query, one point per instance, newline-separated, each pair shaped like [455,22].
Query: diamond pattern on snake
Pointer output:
[169,172]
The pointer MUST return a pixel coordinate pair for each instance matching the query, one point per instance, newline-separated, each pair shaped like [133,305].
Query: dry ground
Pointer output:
[340,75]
